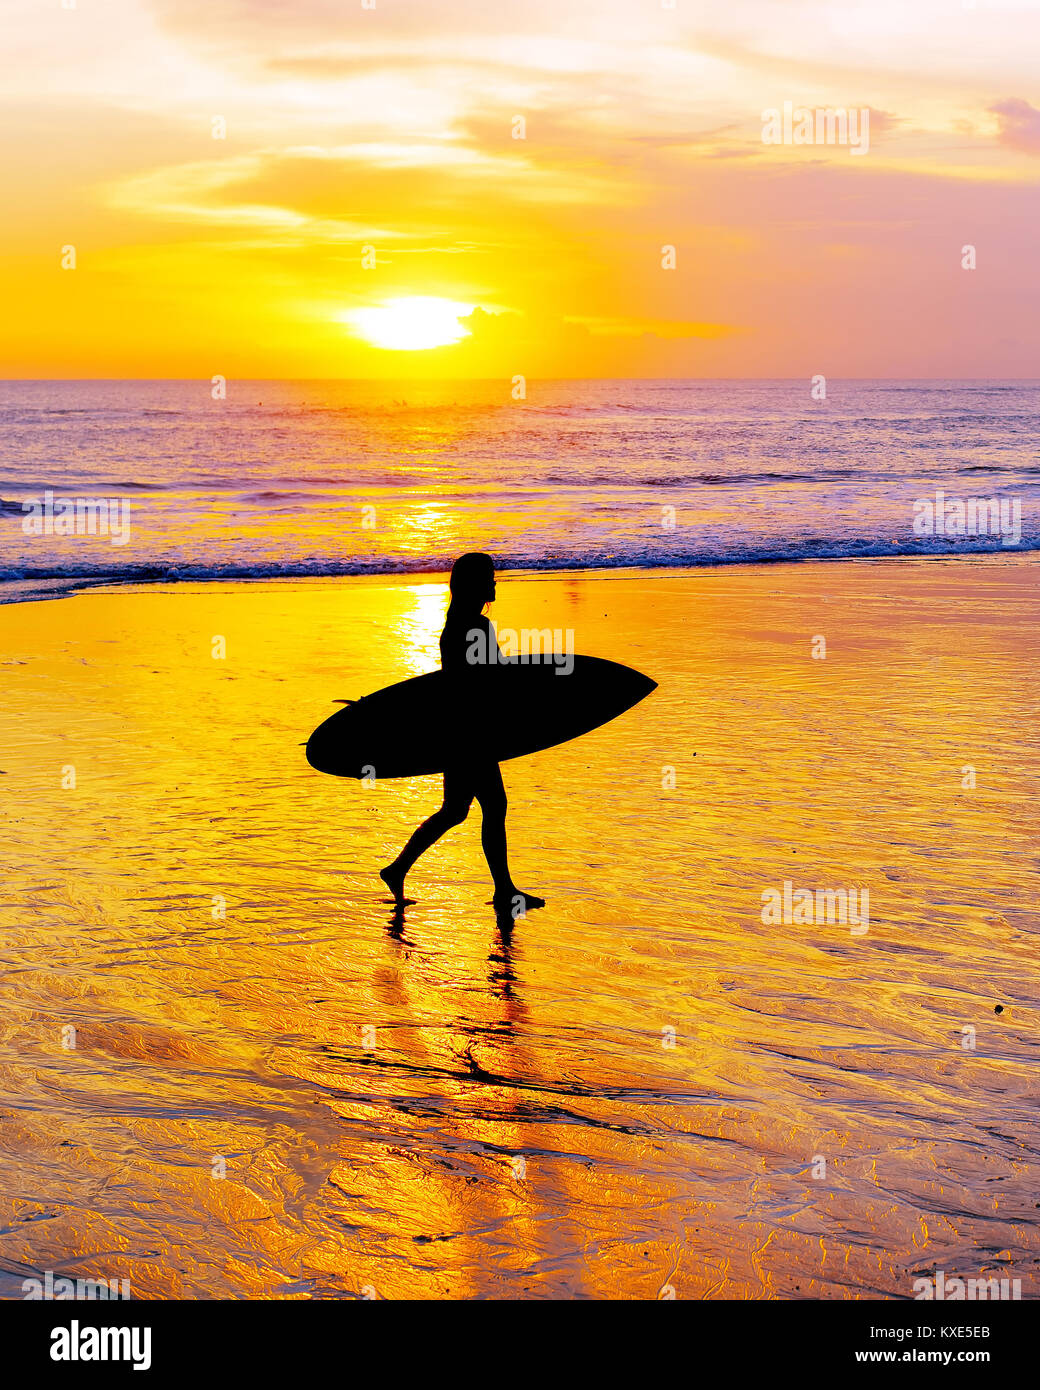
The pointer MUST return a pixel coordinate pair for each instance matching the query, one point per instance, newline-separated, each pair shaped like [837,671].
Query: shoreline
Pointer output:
[69,588]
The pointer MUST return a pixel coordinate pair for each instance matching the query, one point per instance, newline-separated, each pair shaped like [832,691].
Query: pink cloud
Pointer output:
[1019,124]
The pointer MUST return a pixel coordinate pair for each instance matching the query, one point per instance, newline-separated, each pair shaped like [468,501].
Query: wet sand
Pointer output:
[440,1109]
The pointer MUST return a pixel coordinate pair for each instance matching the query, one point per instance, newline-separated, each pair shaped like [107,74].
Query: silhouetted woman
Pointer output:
[468,632]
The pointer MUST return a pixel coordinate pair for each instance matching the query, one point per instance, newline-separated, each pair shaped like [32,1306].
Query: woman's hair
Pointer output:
[471,577]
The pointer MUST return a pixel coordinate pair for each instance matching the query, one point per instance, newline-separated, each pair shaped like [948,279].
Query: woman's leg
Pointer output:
[458,794]
[491,793]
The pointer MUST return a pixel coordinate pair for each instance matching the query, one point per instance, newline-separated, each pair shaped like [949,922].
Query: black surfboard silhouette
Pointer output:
[490,713]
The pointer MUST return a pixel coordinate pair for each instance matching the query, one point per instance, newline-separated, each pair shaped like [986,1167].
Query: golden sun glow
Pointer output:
[412,323]
[370,176]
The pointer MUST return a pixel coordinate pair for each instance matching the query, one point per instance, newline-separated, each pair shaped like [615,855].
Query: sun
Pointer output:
[412,323]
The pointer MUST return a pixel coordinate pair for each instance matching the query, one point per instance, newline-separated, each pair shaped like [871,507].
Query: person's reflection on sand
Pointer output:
[502,975]
[472,588]
[396,924]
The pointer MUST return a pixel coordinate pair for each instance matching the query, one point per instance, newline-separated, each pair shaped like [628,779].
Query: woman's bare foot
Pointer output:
[516,904]
[394,880]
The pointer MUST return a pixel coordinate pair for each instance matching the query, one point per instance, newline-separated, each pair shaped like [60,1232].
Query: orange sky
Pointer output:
[392,128]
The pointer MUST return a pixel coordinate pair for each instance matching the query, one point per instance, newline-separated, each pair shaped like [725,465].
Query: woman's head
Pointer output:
[473,579]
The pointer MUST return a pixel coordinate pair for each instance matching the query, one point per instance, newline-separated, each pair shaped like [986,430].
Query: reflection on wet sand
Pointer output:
[627,1094]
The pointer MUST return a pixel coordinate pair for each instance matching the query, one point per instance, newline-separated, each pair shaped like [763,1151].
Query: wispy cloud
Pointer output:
[1018,124]
[395,128]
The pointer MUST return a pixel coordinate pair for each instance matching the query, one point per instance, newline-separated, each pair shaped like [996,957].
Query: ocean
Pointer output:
[228,1069]
[296,478]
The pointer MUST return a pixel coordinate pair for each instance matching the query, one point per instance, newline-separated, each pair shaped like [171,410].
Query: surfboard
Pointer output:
[490,713]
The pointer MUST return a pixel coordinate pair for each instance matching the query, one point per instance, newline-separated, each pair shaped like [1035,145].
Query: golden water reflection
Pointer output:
[432,1108]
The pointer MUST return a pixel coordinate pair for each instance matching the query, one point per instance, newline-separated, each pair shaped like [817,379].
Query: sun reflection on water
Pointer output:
[417,628]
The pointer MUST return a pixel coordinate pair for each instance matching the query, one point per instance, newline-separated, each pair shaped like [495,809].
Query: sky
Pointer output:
[461,188]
